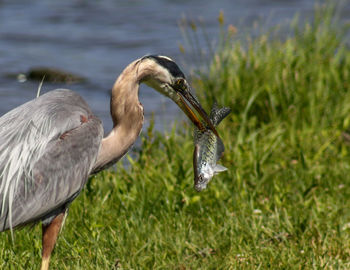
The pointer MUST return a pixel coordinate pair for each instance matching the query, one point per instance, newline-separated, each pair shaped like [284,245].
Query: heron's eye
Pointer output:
[180,84]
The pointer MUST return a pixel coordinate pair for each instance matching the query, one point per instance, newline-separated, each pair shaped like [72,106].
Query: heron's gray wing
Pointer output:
[47,147]
[60,174]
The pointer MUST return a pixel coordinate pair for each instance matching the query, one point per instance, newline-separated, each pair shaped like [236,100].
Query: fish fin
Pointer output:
[219,168]
[220,149]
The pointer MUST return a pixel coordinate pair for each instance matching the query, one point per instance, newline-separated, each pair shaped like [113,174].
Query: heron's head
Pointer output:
[164,75]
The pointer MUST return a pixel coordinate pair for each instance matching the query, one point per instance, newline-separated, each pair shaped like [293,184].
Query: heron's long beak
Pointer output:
[186,96]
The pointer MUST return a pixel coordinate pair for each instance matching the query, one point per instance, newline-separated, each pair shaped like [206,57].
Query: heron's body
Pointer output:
[50,145]
[48,159]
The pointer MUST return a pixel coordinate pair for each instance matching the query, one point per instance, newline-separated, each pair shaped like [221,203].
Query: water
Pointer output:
[97,39]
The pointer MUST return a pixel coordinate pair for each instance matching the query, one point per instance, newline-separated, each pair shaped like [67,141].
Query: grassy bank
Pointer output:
[284,202]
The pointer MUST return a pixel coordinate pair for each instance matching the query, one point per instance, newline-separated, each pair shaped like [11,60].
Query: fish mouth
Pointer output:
[186,98]
[201,182]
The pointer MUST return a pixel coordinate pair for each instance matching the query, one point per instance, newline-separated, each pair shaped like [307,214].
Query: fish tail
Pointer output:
[218,114]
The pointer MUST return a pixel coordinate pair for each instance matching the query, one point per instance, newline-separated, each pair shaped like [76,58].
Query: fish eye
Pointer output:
[201,179]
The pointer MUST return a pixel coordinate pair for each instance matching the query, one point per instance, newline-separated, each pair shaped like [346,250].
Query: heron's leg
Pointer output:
[50,233]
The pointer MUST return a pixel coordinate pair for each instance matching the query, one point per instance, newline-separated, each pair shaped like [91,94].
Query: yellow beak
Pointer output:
[185,97]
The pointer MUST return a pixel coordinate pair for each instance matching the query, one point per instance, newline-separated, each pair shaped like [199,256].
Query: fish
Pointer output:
[208,149]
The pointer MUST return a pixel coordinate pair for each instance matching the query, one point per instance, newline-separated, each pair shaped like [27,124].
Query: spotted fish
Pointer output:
[208,150]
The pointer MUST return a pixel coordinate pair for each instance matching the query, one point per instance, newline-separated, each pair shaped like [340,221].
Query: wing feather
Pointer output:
[39,169]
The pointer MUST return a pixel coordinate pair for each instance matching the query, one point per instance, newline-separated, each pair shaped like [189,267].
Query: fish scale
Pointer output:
[208,150]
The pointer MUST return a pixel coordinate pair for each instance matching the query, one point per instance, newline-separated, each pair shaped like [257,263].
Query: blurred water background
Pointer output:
[97,39]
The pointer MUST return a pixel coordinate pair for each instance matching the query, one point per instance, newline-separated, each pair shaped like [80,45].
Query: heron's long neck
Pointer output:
[127,115]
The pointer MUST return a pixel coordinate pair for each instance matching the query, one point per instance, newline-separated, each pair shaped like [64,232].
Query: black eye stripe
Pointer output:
[171,66]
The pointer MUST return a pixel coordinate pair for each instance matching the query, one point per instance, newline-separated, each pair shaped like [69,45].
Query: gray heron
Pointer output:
[50,145]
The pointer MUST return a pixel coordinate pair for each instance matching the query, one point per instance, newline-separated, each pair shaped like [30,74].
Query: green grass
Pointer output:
[284,202]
